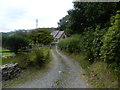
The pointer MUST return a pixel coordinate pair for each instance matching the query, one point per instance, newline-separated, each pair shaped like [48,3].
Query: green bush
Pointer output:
[41,36]
[22,59]
[36,58]
[15,42]
[70,44]
[39,57]
[79,44]
[111,44]
[97,43]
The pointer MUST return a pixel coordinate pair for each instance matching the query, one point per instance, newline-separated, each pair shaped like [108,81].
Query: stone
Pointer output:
[9,71]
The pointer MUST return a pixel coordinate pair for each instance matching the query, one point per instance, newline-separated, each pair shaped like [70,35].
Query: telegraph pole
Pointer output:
[36,23]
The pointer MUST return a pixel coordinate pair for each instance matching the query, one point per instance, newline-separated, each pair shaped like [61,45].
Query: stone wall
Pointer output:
[9,71]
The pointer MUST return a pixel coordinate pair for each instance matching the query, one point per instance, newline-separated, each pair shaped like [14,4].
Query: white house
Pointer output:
[58,35]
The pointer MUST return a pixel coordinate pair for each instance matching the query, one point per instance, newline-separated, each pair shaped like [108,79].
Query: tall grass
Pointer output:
[36,58]
[33,64]
[70,44]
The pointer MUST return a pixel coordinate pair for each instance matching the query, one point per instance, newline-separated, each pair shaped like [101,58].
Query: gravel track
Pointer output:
[65,73]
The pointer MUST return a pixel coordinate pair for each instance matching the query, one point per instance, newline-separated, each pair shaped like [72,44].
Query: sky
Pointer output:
[22,14]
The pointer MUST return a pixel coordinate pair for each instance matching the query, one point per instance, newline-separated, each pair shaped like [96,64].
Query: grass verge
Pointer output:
[62,60]
[98,74]
[4,55]
[29,73]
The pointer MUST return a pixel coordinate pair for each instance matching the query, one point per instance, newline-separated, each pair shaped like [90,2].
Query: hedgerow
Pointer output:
[97,44]
[110,49]
[70,44]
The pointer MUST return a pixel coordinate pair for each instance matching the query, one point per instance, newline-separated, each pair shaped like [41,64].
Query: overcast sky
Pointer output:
[22,14]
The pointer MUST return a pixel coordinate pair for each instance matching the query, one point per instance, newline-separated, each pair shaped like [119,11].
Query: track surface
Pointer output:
[65,73]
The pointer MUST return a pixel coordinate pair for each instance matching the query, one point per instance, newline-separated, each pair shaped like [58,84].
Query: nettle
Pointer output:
[111,43]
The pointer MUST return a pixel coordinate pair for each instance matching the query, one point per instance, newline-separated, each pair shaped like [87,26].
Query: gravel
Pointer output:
[65,73]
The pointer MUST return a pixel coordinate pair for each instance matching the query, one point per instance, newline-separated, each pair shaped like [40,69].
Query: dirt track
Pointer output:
[65,73]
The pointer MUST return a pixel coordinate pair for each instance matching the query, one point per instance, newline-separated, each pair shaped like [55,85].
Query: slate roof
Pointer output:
[59,34]
[54,33]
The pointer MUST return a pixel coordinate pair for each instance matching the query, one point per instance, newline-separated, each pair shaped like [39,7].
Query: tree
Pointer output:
[41,36]
[15,41]
[88,14]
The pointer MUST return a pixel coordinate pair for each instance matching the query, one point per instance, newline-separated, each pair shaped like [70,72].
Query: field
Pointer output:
[3,56]
[5,53]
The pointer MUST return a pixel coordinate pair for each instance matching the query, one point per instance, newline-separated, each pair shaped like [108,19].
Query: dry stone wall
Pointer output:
[9,71]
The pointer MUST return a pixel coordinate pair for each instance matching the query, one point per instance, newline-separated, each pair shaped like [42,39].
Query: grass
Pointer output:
[21,58]
[4,60]
[30,73]
[2,49]
[62,60]
[102,76]
[85,64]
[14,59]
[7,53]
[98,74]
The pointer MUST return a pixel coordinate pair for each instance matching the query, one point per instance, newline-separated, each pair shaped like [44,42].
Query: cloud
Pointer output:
[15,13]
[21,14]
[10,16]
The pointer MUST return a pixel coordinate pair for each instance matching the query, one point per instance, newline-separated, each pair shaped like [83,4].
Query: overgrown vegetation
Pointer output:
[36,58]
[41,36]
[88,14]
[33,63]
[22,40]
[15,41]
[29,74]
[98,74]
[39,57]
[97,39]
[27,46]
[70,44]
[31,55]
[102,76]
[97,45]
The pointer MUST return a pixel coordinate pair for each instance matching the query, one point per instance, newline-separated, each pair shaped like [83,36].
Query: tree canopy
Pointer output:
[88,14]
[41,36]
[15,41]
